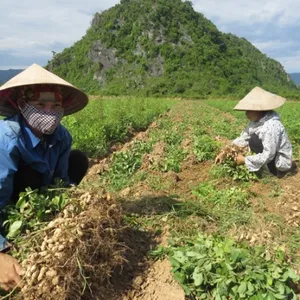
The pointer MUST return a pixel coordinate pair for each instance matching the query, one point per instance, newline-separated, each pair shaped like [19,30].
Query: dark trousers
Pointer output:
[27,177]
[256,146]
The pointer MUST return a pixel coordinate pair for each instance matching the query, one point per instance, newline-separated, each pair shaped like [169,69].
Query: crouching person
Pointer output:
[35,148]
[265,135]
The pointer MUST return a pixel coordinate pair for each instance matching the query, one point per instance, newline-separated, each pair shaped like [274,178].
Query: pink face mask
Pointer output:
[44,122]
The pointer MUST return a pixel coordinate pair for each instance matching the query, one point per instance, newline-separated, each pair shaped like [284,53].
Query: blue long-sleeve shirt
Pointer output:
[18,143]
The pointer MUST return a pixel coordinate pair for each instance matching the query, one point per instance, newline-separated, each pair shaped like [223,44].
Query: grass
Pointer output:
[107,121]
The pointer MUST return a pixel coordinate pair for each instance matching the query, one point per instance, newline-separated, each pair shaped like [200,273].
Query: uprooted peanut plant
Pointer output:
[73,255]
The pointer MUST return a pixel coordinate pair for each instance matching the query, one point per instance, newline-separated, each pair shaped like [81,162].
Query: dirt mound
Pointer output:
[159,284]
[153,159]
[289,205]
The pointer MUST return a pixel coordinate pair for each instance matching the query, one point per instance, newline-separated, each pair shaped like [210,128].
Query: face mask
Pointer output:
[44,122]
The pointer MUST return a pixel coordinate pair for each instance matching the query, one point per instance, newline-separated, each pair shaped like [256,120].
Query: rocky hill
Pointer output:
[165,47]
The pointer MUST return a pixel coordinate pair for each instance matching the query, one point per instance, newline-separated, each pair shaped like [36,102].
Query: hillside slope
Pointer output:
[164,47]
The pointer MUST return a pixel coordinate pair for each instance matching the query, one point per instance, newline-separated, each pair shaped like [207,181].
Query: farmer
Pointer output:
[265,134]
[35,148]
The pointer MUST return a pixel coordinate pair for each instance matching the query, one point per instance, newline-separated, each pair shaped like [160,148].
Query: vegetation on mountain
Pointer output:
[165,47]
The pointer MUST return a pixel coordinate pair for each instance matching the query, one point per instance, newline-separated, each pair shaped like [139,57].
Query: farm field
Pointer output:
[179,226]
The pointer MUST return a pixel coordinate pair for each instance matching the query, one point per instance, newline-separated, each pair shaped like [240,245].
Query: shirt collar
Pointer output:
[31,139]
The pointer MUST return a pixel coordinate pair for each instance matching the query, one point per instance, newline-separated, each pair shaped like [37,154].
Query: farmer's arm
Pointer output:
[270,140]
[10,272]
[9,159]
[10,269]
[243,139]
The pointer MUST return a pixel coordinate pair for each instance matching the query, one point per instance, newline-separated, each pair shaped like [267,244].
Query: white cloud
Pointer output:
[10,66]
[273,45]
[291,63]
[281,12]
[36,27]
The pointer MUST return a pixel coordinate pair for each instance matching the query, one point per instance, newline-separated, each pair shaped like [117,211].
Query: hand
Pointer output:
[240,159]
[219,158]
[10,272]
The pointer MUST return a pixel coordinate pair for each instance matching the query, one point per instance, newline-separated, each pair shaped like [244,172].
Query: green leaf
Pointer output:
[180,256]
[293,275]
[280,296]
[250,287]
[174,262]
[186,289]
[21,203]
[280,287]
[198,277]
[194,254]
[270,296]
[207,267]
[14,229]
[179,277]
[218,297]
[269,280]
[242,288]
[234,255]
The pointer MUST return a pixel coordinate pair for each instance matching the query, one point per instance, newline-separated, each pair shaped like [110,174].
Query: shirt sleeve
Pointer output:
[270,140]
[61,170]
[3,243]
[9,159]
[243,139]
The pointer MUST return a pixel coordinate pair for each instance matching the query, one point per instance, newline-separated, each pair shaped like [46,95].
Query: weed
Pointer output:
[237,173]
[173,137]
[124,164]
[233,197]
[173,159]
[104,122]
[205,147]
[157,183]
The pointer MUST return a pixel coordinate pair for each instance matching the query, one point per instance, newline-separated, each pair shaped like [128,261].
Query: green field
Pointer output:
[188,134]
[228,234]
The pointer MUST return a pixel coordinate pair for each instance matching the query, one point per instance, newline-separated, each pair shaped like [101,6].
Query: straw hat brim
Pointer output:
[260,100]
[36,75]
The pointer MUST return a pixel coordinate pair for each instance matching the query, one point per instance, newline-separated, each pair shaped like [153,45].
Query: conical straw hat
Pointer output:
[260,100]
[36,75]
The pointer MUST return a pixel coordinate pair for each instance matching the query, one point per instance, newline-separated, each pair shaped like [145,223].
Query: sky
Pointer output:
[30,32]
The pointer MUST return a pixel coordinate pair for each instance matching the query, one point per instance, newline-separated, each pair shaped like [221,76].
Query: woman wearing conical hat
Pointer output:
[265,134]
[35,148]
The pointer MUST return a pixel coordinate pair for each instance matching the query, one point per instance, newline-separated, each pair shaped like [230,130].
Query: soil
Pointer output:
[158,285]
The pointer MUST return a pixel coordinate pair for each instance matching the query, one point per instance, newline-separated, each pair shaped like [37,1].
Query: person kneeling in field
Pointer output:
[265,135]
[35,148]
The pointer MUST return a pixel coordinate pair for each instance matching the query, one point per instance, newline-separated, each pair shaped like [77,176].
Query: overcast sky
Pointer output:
[30,32]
